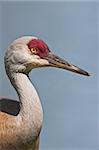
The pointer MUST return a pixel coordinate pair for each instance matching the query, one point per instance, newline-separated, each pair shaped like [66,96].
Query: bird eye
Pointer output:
[34,50]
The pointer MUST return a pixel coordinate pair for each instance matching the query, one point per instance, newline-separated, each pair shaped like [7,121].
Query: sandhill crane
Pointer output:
[21,122]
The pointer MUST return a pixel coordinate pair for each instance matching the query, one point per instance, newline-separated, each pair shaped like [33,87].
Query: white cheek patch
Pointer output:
[43,62]
[35,56]
[40,62]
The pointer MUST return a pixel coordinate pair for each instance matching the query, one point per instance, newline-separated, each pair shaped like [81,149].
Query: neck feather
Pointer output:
[31,110]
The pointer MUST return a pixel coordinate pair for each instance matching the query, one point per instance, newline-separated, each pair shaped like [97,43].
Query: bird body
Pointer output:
[21,131]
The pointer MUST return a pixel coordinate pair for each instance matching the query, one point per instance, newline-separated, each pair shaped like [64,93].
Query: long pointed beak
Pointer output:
[55,61]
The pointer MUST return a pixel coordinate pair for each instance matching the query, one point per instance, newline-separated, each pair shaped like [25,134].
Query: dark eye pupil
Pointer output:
[34,50]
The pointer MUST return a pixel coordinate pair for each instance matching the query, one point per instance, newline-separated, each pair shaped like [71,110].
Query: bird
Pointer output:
[21,122]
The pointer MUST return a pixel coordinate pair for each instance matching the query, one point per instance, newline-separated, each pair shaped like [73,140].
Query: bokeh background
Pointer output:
[70,101]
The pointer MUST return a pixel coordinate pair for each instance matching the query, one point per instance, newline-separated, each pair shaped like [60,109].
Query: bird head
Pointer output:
[29,52]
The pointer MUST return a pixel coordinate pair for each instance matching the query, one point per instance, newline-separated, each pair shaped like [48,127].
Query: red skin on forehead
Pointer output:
[43,48]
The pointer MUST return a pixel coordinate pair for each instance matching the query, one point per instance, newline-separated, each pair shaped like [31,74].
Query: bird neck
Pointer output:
[30,106]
